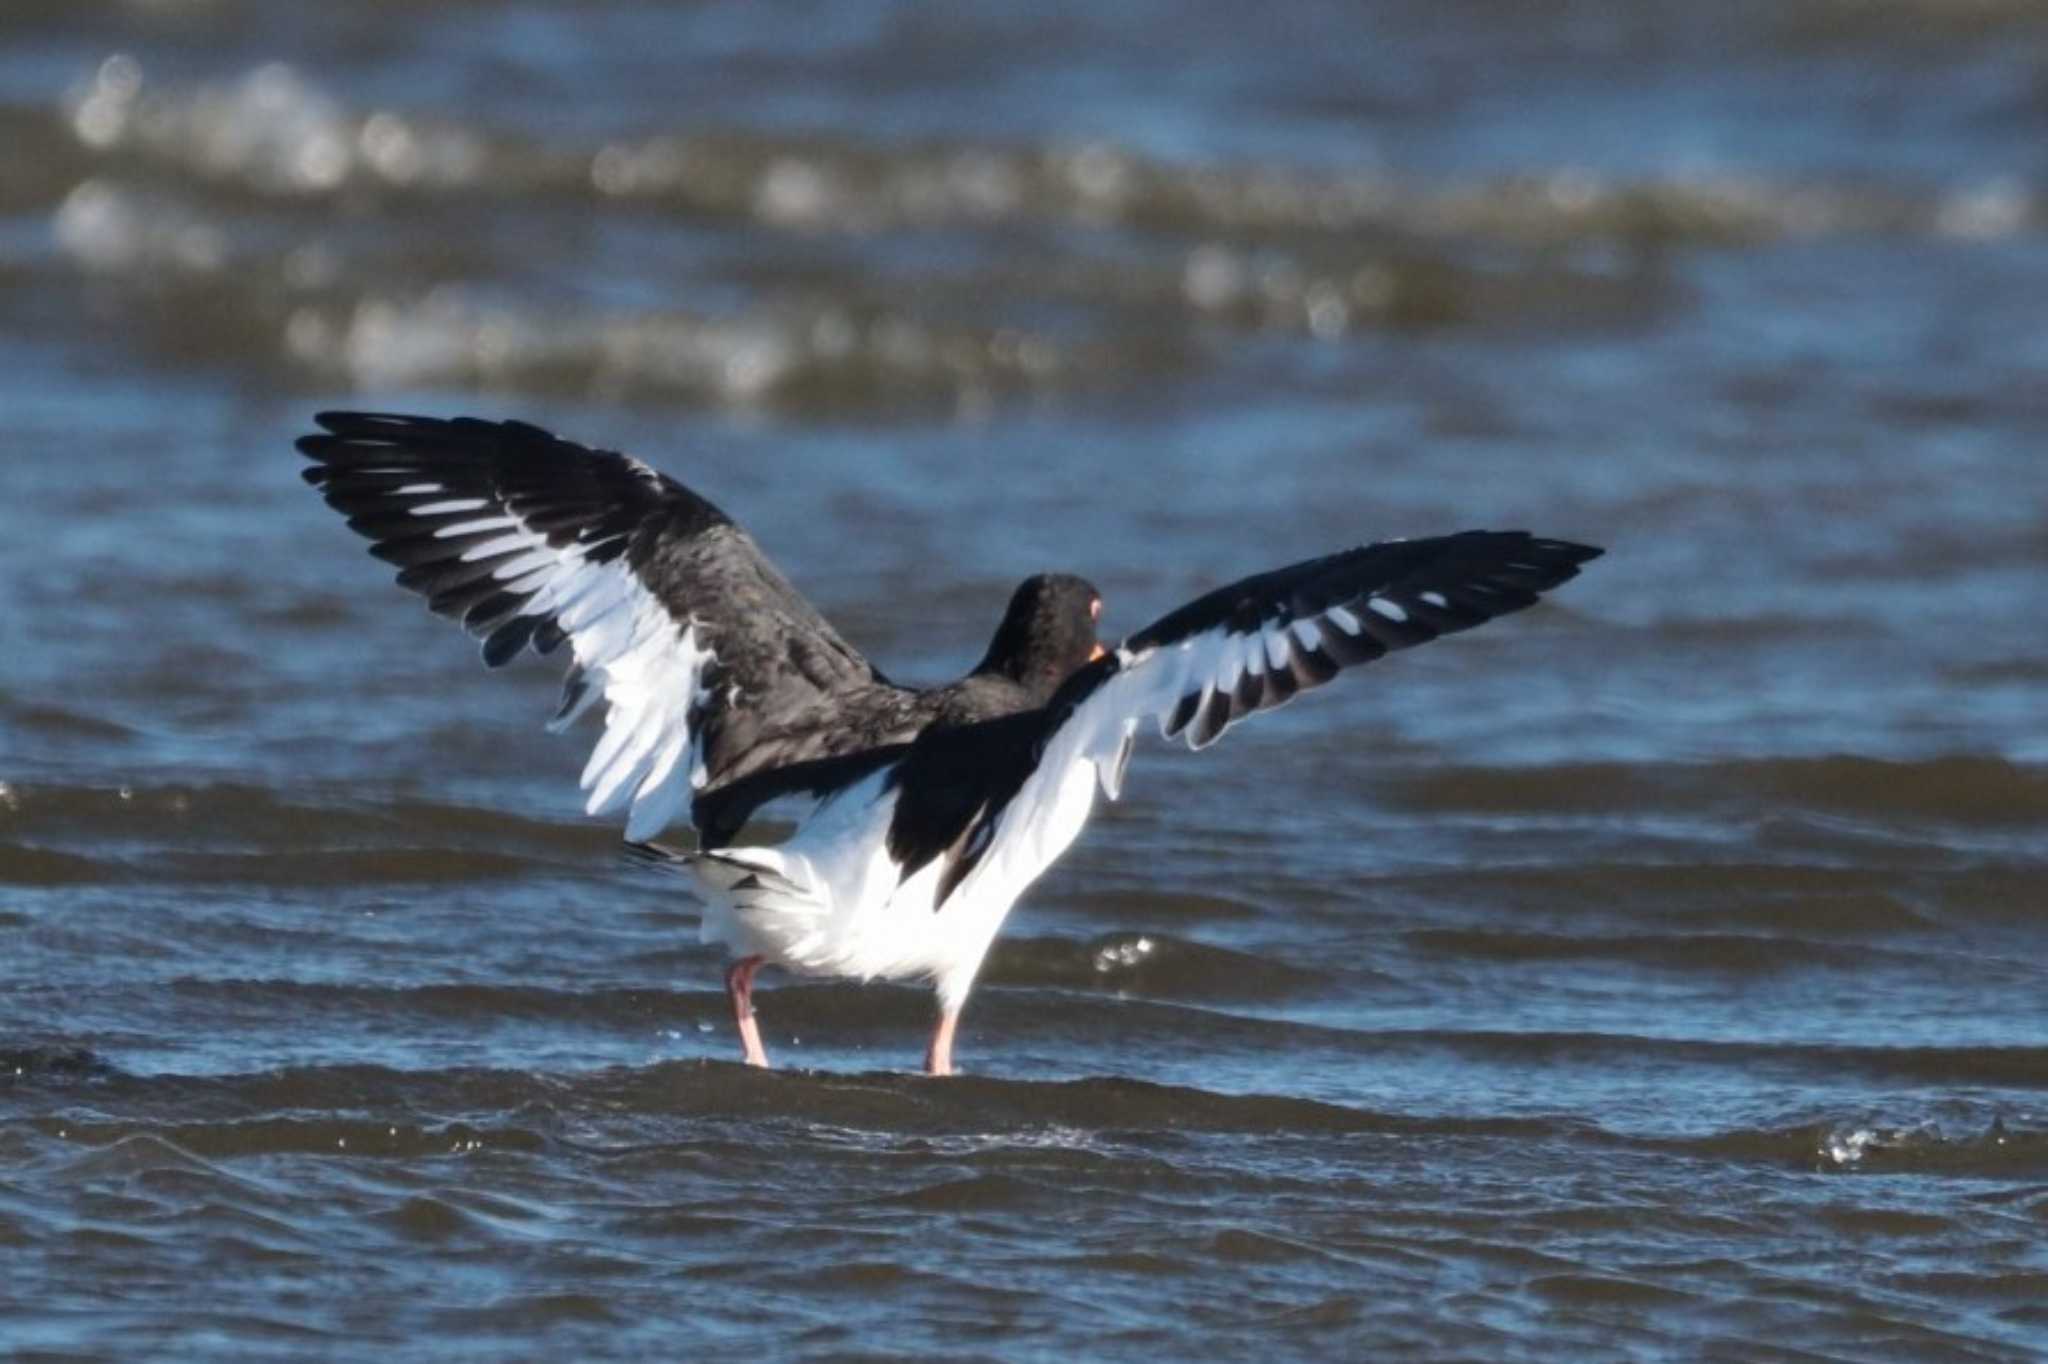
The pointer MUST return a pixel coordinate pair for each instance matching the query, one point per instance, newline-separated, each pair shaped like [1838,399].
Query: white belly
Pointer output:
[836,905]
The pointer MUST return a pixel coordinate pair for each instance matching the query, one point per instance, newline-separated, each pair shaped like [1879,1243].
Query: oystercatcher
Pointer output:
[930,810]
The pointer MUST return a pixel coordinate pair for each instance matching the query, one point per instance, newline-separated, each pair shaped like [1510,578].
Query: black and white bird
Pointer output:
[930,810]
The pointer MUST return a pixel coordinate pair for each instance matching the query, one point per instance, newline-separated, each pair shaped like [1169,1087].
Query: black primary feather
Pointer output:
[954,785]
[782,687]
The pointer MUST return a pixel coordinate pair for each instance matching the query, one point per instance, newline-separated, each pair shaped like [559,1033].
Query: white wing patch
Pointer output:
[534,542]
[648,667]
[1200,686]
[1093,747]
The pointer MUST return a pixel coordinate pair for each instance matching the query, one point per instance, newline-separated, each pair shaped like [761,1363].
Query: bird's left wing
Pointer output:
[675,619]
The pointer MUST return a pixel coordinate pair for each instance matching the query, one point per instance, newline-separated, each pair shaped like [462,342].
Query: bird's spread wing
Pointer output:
[1244,648]
[1255,644]
[671,612]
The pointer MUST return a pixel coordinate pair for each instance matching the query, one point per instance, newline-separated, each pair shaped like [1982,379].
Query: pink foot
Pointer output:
[739,987]
[938,1058]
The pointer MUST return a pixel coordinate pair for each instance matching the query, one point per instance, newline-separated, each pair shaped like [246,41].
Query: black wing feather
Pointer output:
[1318,616]
[1357,606]
[401,479]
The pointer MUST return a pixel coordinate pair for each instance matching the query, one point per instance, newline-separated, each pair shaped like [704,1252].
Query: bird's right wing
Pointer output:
[1239,650]
[1259,642]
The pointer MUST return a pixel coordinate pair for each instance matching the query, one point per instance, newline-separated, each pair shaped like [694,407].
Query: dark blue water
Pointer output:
[1653,975]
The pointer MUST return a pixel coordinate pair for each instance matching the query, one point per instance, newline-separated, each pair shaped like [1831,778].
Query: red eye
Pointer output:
[1095,608]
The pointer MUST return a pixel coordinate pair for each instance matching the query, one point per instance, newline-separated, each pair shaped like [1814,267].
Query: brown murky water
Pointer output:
[1656,975]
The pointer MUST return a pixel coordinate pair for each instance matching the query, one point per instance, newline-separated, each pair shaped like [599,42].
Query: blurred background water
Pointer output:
[1655,975]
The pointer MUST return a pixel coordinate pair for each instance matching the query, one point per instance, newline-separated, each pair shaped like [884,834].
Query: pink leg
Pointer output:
[938,1058]
[739,987]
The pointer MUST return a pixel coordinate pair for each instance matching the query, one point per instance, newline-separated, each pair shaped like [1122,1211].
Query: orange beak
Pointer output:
[1100,652]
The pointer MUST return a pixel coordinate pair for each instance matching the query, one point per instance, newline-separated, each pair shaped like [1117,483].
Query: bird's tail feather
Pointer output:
[659,856]
[745,878]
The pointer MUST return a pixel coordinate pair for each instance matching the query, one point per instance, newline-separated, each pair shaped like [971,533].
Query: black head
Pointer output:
[1047,632]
